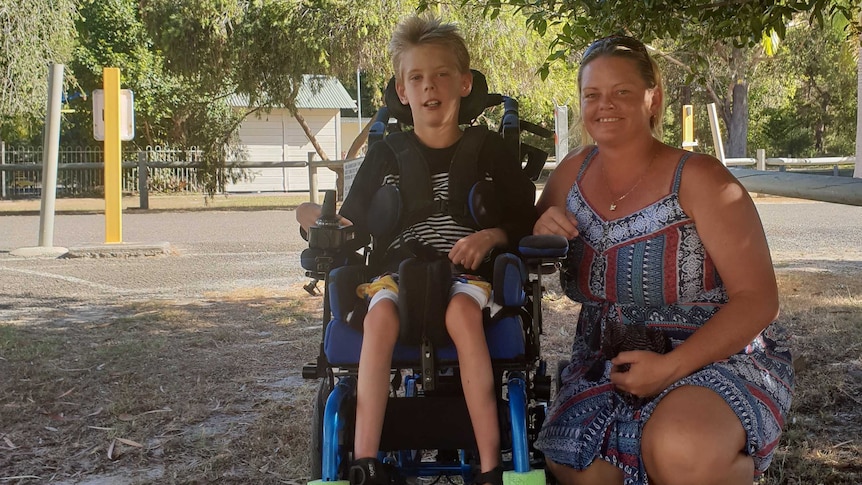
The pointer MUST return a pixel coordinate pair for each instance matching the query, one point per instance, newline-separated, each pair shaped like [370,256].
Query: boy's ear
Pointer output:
[466,83]
[400,91]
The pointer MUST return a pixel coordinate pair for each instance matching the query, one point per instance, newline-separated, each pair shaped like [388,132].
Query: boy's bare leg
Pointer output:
[464,323]
[375,363]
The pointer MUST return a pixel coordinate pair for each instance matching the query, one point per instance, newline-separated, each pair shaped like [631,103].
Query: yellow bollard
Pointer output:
[688,142]
[113,157]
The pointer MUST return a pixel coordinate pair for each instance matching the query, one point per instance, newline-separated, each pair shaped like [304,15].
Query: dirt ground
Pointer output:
[209,391]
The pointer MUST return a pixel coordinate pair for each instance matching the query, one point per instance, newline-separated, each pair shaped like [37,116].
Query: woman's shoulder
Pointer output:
[701,168]
[578,155]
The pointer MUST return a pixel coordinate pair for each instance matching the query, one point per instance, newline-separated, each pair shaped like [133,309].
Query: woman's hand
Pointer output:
[648,374]
[470,251]
[557,220]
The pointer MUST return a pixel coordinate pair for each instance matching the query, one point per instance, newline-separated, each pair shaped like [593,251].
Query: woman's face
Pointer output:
[616,104]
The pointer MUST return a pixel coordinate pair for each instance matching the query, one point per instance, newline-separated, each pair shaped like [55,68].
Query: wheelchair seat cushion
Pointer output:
[505,335]
[343,343]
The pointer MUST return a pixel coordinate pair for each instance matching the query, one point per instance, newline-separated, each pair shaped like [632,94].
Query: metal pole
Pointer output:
[2,172]
[358,103]
[716,132]
[312,179]
[113,157]
[761,159]
[50,154]
[143,190]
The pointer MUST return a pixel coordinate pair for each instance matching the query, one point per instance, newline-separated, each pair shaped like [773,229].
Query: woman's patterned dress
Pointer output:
[650,268]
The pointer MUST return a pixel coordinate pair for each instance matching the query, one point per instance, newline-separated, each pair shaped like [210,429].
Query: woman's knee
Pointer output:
[692,437]
[599,472]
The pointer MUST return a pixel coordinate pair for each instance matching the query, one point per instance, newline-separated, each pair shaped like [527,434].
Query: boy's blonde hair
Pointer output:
[426,29]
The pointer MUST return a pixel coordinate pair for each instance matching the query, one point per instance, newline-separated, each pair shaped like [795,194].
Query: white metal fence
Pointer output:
[81,171]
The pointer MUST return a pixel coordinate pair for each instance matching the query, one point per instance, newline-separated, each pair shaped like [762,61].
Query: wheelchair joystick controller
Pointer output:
[328,233]
[328,241]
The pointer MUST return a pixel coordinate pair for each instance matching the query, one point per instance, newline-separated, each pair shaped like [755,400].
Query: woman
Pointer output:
[677,374]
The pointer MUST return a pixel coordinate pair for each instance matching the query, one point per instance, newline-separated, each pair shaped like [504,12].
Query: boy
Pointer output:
[432,72]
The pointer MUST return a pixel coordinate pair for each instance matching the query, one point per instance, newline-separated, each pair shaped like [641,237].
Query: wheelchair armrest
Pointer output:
[542,253]
[544,246]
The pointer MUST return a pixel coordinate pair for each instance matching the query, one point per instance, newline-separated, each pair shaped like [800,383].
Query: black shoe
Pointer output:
[493,476]
[369,471]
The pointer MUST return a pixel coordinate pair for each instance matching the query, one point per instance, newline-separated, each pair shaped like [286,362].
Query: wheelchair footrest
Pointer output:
[532,477]
[423,430]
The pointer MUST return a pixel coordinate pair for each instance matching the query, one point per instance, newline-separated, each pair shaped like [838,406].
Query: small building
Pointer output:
[277,137]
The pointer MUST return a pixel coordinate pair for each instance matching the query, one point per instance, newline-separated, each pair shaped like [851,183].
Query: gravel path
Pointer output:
[215,251]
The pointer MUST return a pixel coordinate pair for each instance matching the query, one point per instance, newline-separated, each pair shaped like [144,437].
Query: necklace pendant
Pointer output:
[613,206]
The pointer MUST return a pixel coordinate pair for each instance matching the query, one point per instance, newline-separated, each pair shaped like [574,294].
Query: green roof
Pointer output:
[316,92]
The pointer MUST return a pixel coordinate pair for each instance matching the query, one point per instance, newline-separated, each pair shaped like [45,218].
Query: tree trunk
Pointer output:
[737,143]
[359,141]
[339,171]
[857,172]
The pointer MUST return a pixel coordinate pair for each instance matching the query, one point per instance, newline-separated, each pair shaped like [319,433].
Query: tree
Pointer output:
[33,34]
[694,25]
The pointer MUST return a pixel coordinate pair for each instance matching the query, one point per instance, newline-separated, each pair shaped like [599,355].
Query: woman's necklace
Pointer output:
[614,202]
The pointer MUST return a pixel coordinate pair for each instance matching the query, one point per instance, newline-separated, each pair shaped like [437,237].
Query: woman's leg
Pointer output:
[465,326]
[375,364]
[599,472]
[694,437]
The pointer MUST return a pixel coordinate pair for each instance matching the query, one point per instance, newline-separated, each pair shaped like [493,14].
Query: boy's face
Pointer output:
[431,83]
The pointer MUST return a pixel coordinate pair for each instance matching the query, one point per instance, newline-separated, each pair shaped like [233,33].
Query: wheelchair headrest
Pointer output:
[472,105]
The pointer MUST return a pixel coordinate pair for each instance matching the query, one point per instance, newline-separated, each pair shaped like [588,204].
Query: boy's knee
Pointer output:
[382,320]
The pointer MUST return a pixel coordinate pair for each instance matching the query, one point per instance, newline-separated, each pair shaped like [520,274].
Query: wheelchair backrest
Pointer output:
[511,126]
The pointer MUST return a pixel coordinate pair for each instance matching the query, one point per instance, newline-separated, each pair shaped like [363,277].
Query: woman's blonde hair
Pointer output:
[628,48]
[426,29]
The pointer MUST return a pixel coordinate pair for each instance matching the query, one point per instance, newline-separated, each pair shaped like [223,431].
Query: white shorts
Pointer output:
[471,286]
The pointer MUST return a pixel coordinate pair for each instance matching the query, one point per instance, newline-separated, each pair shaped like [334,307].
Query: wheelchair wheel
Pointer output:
[323,390]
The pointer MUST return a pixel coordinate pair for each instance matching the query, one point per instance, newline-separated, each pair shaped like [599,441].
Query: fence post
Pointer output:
[761,159]
[312,179]
[143,189]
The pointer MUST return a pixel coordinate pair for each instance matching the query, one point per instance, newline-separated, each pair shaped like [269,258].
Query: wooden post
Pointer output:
[761,159]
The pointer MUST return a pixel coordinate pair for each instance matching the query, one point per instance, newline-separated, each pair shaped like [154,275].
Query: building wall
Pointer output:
[277,136]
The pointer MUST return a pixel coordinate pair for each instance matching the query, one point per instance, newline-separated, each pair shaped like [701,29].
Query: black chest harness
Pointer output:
[417,195]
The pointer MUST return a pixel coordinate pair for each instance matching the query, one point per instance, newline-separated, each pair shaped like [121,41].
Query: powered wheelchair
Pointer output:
[427,430]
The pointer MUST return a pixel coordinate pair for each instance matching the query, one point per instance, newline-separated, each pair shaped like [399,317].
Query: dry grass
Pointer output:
[209,391]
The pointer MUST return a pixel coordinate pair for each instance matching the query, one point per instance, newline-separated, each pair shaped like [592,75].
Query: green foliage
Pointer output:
[806,98]
[33,34]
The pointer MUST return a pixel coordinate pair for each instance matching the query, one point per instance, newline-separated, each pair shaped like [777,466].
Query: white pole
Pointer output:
[358,103]
[561,132]
[716,132]
[50,155]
